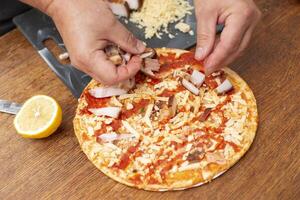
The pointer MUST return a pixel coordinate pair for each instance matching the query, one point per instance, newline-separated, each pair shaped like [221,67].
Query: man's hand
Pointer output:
[86,28]
[239,17]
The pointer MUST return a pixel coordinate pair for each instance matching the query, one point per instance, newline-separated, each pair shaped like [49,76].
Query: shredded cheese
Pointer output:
[155,15]
[183,27]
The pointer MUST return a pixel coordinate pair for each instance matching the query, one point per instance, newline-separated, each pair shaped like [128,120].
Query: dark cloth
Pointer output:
[8,10]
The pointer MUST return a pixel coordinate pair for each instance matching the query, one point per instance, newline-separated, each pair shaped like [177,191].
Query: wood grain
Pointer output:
[55,168]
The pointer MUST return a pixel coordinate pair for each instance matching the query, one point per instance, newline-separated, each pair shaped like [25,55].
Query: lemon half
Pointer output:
[39,117]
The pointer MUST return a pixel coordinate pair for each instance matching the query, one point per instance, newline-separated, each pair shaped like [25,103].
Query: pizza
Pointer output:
[170,127]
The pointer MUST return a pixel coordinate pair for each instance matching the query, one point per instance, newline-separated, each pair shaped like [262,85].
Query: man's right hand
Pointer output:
[86,28]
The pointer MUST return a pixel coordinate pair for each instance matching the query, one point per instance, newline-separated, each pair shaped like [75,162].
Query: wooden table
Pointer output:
[55,168]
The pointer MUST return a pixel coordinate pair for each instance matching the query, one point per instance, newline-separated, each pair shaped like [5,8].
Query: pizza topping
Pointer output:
[205,114]
[116,59]
[197,78]
[215,157]
[148,114]
[196,105]
[195,156]
[115,54]
[102,92]
[129,106]
[172,104]
[224,87]
[116,102]
[112,50]
[126,56]
[190,87]
[109,137]
[107,111]
[150,66]
[188,166]
[149,53]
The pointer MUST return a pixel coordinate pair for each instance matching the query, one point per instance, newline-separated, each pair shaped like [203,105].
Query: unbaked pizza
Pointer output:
[170,127]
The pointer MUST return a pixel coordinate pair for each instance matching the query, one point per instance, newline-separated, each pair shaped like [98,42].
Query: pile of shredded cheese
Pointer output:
[156,15]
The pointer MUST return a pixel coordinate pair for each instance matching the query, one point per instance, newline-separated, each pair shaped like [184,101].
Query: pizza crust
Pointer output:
[89,146]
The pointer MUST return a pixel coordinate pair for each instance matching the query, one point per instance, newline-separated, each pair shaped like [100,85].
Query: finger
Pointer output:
[105,72]
[230,40]
[127,71]
[126,40]
[206,32]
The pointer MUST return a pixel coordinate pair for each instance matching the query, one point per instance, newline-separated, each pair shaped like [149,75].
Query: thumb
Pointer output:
[126,40]
[206,33]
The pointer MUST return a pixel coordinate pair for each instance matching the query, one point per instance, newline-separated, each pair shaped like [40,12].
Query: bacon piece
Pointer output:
[205,114]
[150,65]
[172,106]
[195,156]
[114,54]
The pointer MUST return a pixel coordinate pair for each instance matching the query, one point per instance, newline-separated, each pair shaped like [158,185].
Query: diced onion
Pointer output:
[102,92]
[190,87]
[109,137]
[224,87]
[107,111]
[126,56]
[149,53]
[197,78]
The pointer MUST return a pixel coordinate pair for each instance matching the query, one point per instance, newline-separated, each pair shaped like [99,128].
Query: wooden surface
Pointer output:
[55,168]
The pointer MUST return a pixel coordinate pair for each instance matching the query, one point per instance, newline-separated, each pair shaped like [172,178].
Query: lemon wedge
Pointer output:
[39,117]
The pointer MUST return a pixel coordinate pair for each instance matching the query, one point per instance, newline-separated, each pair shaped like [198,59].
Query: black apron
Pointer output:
[9,9]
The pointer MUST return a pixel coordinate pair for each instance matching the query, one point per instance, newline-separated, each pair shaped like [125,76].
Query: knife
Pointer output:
[9,107]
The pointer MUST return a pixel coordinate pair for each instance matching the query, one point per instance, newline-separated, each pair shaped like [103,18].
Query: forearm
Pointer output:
[43,5]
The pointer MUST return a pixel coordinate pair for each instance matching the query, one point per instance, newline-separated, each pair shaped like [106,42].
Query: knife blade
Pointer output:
[9,107]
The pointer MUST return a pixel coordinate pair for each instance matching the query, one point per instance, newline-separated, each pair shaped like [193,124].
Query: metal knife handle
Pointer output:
[9,107]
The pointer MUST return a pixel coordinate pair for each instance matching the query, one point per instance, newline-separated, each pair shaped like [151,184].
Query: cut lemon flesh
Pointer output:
[39,117]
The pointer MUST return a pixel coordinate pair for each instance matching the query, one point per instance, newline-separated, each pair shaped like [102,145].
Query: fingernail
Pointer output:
[140,46]
[200,53]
